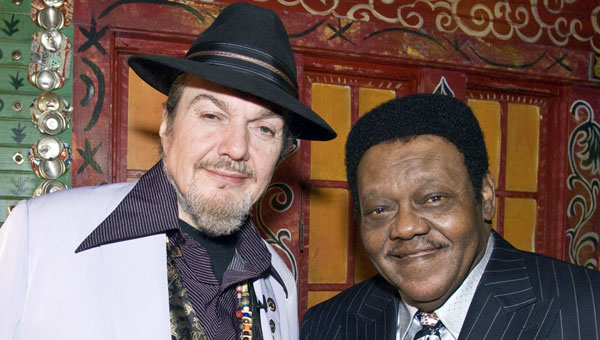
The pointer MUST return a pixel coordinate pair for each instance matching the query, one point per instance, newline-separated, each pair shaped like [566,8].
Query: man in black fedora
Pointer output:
[173,255]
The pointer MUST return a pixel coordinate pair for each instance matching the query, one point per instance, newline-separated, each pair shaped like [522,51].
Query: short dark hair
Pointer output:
[174,96]
[415,115]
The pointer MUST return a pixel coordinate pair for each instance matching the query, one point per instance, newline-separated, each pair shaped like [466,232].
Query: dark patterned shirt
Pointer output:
[151,208]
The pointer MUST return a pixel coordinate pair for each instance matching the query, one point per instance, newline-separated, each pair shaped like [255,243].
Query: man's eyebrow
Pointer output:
[204,96]
[266,113]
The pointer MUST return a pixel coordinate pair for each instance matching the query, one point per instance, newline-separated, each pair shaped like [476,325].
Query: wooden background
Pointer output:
[529,72]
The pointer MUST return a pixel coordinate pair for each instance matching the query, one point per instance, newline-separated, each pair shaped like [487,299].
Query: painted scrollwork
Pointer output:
[584,155]
[280,198]
[530,22]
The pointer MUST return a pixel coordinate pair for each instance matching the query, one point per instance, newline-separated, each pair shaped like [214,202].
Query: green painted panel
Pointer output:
[18,186]
[23,132]
[8,165]
[7,49]
[13,80]
[18,132]
[9,6]
[6,162]
[8,100]
[16,26]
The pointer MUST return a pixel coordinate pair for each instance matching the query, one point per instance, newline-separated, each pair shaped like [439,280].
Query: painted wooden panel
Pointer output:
[369,98]
[144,117]
[18,185]
[332,102]
[16,105]
[522,147]
[363,268]
[488,114]
[17,22]
[15,53]
[316,296]
[583,170]
[520,215]
[328,251]
[23,131]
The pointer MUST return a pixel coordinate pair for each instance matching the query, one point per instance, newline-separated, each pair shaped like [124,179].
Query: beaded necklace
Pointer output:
[244,311]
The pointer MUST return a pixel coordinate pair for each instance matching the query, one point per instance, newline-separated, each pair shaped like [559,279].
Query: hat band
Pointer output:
[260,68]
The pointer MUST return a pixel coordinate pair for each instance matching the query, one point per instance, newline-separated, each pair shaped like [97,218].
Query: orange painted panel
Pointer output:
[332,102]
[488,114]
[520,216]
[145,108]
[369,98]
[317,296]
[522,147]
[328,250]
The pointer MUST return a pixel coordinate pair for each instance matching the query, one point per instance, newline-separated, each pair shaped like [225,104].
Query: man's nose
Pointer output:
[408,224]
[234,141]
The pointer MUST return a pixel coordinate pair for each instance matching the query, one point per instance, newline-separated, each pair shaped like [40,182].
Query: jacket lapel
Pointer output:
[136,280]
[505,304]
[377,313]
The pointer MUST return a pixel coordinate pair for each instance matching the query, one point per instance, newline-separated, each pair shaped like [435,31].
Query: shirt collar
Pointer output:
[454,311]
[149,208]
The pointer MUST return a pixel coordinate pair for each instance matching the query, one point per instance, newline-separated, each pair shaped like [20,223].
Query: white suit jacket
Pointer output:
[114,291]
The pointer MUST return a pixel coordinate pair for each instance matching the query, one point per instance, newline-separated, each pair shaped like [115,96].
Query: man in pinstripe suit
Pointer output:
[418,170]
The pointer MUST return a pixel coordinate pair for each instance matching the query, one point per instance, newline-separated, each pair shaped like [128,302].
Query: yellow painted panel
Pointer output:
[520,216]
[488,114]
[369,98]
[332,102]
[522,147]
[328,250]
[317,296]
[363,268]
[145,112]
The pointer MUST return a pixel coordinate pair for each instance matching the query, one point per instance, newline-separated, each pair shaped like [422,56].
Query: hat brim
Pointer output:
[160,72]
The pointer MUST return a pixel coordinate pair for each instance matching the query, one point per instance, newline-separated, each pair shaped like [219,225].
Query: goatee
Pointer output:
[214,216]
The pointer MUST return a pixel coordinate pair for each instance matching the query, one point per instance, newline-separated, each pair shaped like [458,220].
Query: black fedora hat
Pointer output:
[246,48]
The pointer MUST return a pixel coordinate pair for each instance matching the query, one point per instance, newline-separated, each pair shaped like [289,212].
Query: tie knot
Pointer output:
[427,319]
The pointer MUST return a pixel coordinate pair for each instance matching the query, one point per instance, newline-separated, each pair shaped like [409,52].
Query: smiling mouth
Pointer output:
[227,176]
[412,254]
[415,253]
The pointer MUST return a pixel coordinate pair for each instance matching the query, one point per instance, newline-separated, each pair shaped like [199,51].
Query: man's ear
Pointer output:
[163,131]
[488,193]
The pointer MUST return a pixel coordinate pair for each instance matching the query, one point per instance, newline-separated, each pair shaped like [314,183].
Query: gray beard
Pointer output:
[212,216]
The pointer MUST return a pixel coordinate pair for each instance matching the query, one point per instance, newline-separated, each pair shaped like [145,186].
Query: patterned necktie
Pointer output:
[431,326]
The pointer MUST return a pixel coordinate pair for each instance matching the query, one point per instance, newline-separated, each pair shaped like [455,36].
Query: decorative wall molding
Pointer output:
[280,198]
[535,21]
[584,160]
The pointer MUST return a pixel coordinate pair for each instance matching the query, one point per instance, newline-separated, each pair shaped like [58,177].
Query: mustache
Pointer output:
[225,163]
[406,247]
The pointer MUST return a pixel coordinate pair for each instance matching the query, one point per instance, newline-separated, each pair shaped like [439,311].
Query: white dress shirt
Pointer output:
[453,312]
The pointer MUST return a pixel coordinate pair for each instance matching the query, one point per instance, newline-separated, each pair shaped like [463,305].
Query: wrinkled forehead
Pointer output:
[192,81]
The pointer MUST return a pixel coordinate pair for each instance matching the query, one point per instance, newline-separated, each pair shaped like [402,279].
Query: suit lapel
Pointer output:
[376,313]
[505,304]
[136,280]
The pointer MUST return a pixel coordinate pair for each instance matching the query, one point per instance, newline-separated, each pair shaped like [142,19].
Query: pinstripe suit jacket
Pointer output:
[520,296]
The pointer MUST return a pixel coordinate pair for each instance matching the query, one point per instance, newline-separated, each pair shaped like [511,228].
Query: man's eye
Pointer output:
[266,130]
[376,211]
[210,116]
[435,198]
